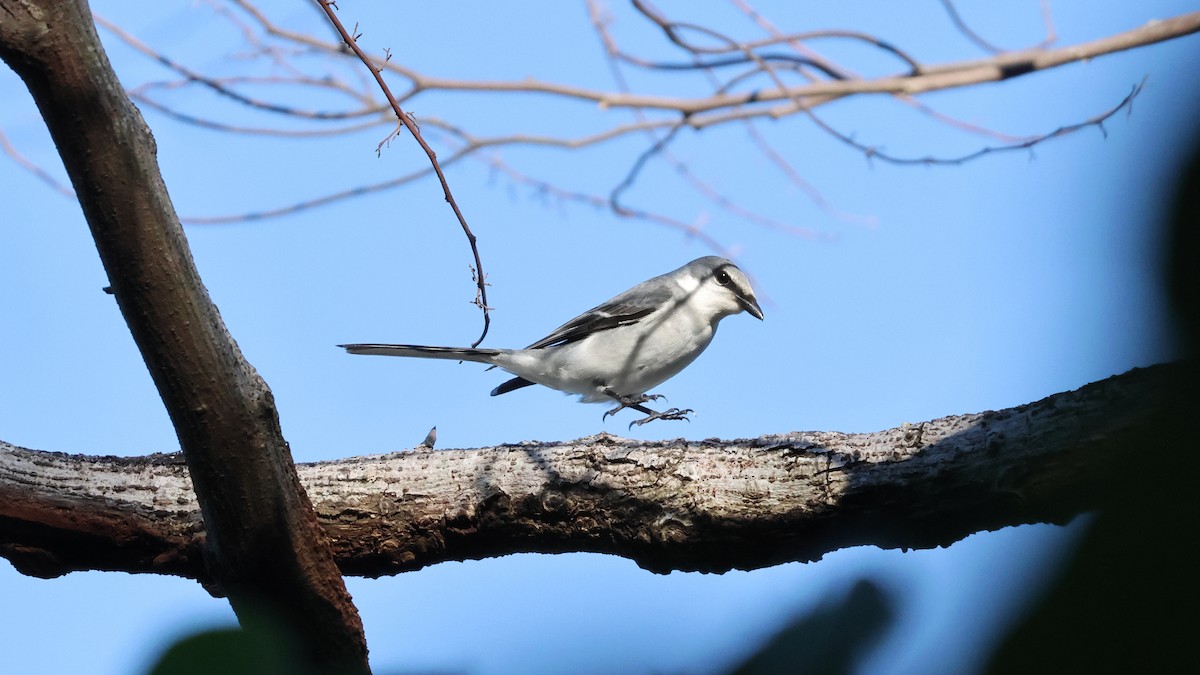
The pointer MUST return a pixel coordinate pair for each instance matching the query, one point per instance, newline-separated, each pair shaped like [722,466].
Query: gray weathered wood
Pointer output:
[707,505]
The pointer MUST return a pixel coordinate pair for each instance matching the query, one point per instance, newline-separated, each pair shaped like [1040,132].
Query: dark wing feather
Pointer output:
[625,309]
[592,322]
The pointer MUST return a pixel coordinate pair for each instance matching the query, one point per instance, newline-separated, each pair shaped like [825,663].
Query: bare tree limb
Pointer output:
[910,101]
[926,78]
[291,56]
[724,106]
[264,547]
[614,56]
[673,31]
[671,505]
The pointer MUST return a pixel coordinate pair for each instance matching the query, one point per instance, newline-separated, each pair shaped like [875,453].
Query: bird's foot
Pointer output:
[636,402]
[672,414]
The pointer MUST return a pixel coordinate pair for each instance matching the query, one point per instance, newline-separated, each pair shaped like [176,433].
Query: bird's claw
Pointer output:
[672,414]
[634,402]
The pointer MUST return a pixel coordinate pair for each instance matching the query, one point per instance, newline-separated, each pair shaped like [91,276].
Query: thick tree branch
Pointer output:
[265,547]
[707,505]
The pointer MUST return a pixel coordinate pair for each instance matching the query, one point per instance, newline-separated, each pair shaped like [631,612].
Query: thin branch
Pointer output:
[796,179]
[965,29]
[930,78]
[214,125]
[42,175]
[908,100]
[673,31]
[480,278]
[691,230]
[223,89]
[612,58]
[614,197]
[721,107]
[874,152]
[324,200]
[470,149]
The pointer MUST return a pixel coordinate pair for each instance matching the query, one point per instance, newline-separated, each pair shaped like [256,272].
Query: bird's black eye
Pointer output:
[723,278]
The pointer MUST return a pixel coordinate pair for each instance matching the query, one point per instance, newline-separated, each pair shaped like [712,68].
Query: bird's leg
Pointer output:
[636,402]
[671,414]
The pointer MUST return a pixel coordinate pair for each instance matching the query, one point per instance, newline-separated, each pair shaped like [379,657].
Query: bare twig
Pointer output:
[674,30]
[195,120]
[613,56]
[930,78]
[733,98]
[966,30]
[875,152]
[908,100]
[471,149]
[221,87]
[691,230]
[24,162]
[377,72]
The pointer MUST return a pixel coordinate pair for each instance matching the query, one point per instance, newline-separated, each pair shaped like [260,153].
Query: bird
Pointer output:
[620,349]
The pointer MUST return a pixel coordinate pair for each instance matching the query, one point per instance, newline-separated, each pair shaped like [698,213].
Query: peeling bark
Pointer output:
[672,505]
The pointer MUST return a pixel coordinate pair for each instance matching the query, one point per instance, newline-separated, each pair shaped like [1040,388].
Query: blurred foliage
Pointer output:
[261,646]
[830,639]
[1126,601]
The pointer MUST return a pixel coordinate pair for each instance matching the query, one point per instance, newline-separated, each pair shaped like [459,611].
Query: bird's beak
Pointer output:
[751,306]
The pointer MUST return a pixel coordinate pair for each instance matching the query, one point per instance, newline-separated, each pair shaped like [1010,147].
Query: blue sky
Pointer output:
[978,287]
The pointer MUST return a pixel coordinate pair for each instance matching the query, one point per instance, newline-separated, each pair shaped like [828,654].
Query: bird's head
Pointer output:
[719,286]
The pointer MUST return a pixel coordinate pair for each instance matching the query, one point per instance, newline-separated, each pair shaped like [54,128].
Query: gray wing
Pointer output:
[626,309]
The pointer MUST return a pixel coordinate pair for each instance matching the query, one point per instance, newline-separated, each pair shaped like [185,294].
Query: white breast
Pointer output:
[629,360]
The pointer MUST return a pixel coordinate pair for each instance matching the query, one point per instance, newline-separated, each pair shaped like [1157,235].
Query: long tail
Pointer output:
[424,352]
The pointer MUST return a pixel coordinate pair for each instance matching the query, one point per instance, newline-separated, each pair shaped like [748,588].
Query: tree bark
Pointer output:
[673,505]
[264,546]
